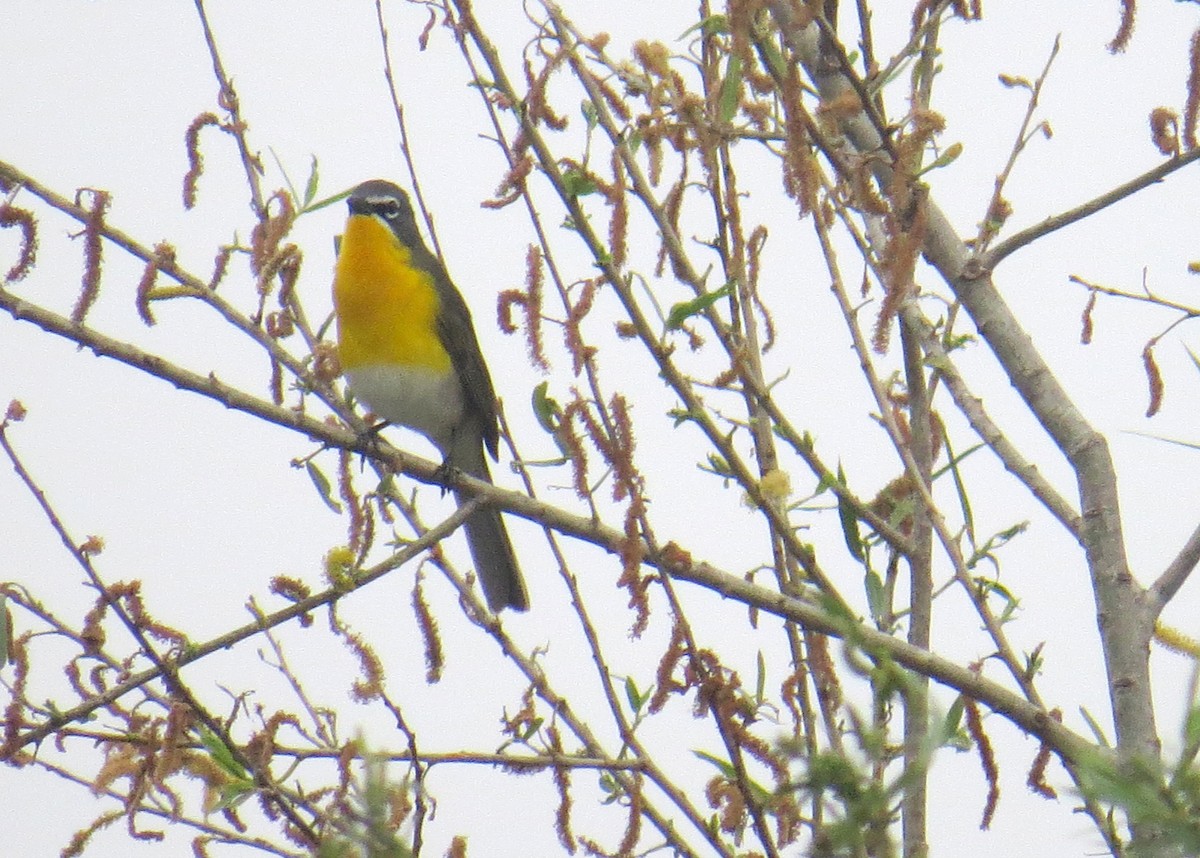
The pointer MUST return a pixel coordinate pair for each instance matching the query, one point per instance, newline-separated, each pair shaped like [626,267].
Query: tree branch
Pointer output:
[972,408]
[1029,717]
[1028,235]
[1126,624]
[1164,589]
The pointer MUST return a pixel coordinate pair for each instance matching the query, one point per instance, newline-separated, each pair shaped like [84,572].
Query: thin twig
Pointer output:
[1013,243]
[987,229]
[866,36]
[1147,296]
[298,609]
[914,803]
[972,408]
[1173,577]
[229,101]
[166,668]
[1032,718]
[402,126]
[906,53]
[196,288]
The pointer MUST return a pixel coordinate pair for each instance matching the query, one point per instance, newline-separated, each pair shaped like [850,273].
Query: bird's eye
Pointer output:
[390,209]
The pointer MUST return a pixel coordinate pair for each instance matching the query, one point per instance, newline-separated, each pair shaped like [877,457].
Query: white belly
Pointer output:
[429,402]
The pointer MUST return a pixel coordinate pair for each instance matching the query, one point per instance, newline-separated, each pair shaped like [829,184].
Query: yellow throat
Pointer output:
[386,307]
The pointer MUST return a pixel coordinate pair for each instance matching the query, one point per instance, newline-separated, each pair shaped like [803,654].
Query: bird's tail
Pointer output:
[487,537]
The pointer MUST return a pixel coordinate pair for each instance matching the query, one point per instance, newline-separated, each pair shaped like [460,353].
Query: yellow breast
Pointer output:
[386,308]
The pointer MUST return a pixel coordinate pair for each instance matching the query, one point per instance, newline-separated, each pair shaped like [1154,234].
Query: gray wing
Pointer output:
[457,333]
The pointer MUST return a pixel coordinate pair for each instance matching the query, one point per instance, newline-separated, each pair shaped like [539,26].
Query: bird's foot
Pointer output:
[447,475]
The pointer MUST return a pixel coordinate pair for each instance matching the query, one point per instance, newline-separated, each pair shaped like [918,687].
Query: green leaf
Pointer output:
[991,585]
[731,90]
[684,310]
[635,698]
[234,794]
[948,156]
[876,595]
[310,187]
[577,183]
[1034,661]
[532,728]
[304,204]
[999,540]
[1192,355]
[611,787]
[546,408]
[1013,82]
[589,114]
[719,466]
[221,755]
[955,459]
[679,416]
[324,488]
[1191,727]
[634,140]
[729,772]
[328,201]
[712,25]
[1095,727]
[549,416]
[964,501]
[840,611]
[724,767]
[286,178]
[1189,444]
[953,720]
[834,772]
[956,341]
[849,519]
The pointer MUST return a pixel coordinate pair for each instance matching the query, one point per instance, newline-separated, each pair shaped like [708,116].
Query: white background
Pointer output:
[199,502]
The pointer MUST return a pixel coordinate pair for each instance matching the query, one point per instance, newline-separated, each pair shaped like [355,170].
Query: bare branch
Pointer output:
[228,99]
[167,668]
[998,208]
[1163,590]
[1056,222]
[196,652]
[972,408]
[1032,718]
[1126,623]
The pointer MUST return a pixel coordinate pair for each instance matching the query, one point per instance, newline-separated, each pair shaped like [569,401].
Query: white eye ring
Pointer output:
[387,207]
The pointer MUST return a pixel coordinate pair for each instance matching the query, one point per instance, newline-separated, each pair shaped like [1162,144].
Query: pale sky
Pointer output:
[200,504]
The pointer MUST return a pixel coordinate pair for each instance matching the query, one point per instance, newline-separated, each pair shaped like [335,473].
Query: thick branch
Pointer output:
[1126,623]
[1029,717]
[972,408]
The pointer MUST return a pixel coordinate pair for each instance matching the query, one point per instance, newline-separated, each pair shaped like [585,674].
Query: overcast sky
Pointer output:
[201,505]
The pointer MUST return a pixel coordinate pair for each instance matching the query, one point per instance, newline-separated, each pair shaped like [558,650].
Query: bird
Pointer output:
[408,349]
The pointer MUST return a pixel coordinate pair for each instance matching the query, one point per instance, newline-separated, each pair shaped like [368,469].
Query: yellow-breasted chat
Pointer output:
[409,351]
